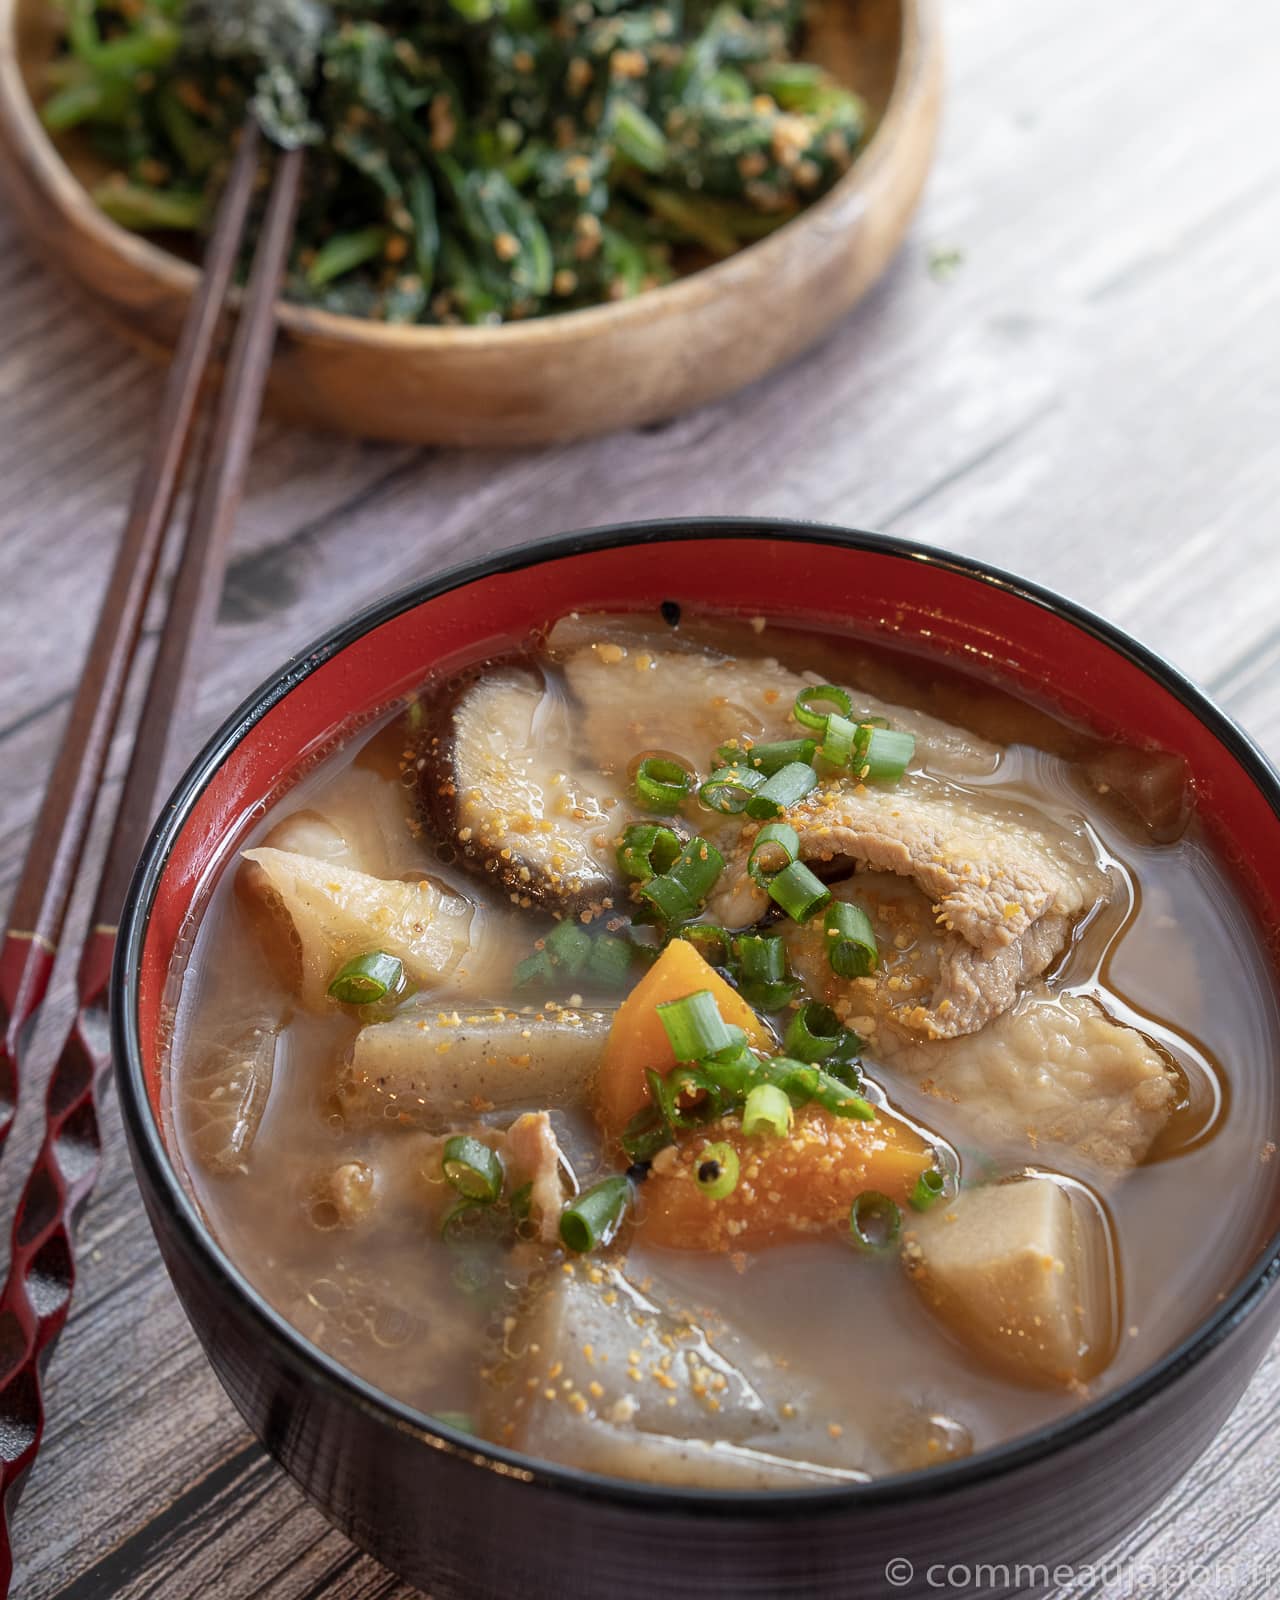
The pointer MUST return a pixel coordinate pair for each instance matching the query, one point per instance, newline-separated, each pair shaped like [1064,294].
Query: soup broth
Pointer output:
[970,1124]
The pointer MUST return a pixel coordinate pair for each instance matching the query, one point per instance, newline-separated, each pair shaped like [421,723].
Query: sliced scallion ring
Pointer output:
[710,940]
[694,1026]
[776,846]
[825,695]
[929,1188]
[875,1222]
[767,1110]
[814,1033]
[886,755]
[569,947]
[839,737]
[594,1217]
[850,940]
[768,758]
[679,892]
[784,789]
[716,1172]
[647,849]
[799,891]
[367,978]
[660,783]
[646,1134]
[609,963]
[473,1169]
[729,788]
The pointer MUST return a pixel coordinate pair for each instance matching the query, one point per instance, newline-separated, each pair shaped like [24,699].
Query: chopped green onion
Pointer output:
[679,892]
[930,1187]
[593,1218]
[851,941]
[647,849]
[821,694]
[610,960]
[768,1110]
[886,755]
[838,739]
[776,846]
[799,891]
[728,789]
[803,1081]
[780,792]
[460,1421]
[520,1204]
[569,946]
[814,1033]
[688,1097]
[473,1169]
[710,941]
[769,758]
[646,1133]
[694,1026]
[761,962]
[875,1222]
[716,1174]
[536,968]
[659,783]
[760,958]
[734,1071]
[367,978]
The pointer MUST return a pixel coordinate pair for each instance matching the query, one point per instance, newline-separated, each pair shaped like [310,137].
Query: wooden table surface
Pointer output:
[1073,370]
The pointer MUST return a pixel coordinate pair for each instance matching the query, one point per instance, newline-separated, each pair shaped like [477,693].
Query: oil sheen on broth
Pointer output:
[987,1042]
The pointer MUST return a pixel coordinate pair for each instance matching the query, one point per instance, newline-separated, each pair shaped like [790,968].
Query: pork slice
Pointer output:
[992,871]
[600,1373]
[930,981]
[1051,1072]
[639,691]
[533,1156]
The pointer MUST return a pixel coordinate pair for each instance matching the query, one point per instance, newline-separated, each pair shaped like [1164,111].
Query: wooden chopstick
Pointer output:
[70,1154]
[39,906]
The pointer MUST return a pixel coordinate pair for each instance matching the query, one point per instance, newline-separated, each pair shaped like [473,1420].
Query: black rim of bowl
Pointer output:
[150,1152]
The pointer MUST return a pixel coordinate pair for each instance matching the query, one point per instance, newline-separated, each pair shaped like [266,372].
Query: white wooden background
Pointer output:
[1091,397]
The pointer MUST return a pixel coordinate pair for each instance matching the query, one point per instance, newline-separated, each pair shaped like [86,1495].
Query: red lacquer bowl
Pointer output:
[463,1519]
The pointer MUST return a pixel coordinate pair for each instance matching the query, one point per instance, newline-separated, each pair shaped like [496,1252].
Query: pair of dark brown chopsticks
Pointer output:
[36,1295]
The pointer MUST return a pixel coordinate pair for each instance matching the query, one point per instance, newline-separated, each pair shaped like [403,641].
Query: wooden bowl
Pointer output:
[551,378]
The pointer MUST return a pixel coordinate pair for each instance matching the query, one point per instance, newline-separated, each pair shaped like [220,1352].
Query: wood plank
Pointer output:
[1088,398]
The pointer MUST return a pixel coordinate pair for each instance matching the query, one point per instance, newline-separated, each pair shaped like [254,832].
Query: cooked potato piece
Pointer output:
[496,782]
[337,913]
[426,1064]
[1013,1271]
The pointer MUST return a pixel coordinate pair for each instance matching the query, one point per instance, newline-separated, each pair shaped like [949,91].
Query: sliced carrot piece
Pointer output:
[801,1184]
[638,1040]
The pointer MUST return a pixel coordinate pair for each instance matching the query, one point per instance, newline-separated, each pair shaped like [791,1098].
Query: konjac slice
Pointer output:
[802,1183]
[226,1094]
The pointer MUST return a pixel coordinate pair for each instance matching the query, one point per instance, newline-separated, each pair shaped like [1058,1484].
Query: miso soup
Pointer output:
[696,1051]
